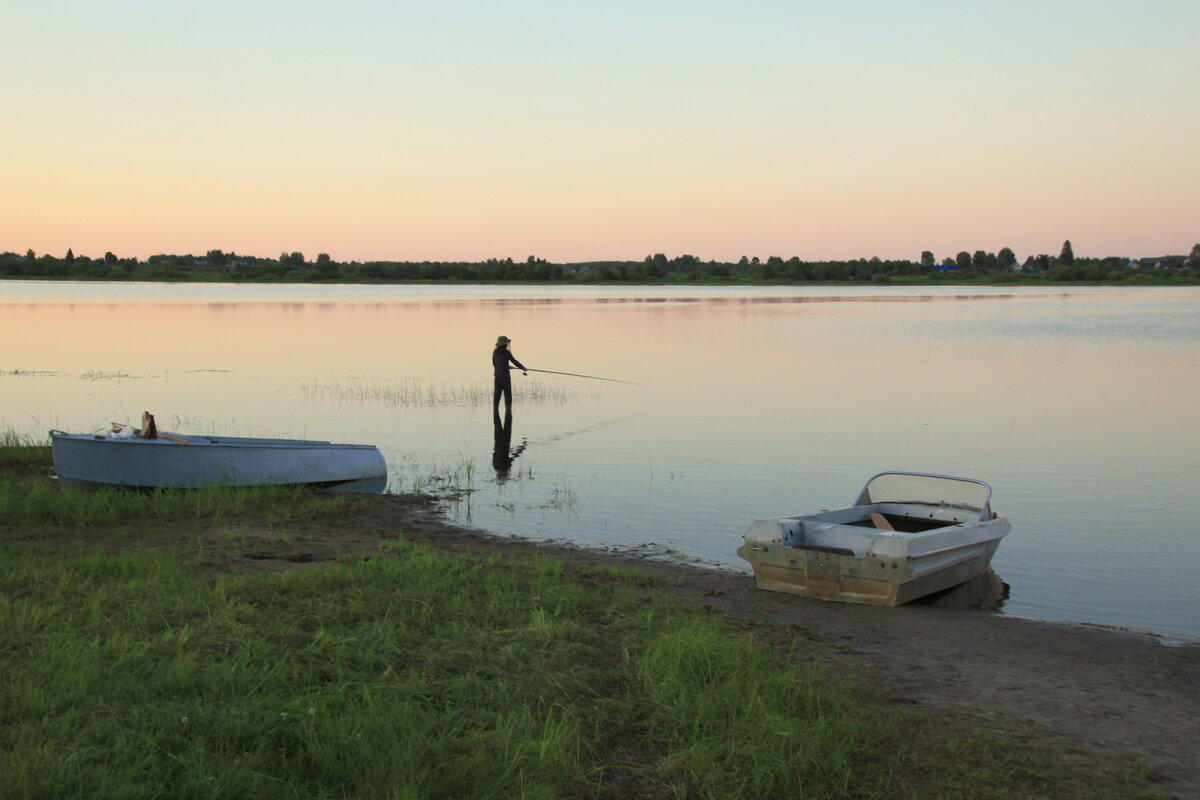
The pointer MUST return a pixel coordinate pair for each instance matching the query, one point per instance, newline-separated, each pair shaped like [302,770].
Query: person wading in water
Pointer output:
[501,358]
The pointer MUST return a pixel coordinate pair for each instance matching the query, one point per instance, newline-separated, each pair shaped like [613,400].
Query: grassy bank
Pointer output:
[413,673]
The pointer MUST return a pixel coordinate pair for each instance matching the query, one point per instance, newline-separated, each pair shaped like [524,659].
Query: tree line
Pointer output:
[978,266]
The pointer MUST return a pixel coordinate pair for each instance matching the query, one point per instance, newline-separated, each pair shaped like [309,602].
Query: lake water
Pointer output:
[1078,406]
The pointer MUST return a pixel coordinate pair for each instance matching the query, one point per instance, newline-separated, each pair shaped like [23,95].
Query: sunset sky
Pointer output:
[463,130]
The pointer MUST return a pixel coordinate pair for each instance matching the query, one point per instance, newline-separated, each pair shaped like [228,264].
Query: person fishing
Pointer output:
[501,357]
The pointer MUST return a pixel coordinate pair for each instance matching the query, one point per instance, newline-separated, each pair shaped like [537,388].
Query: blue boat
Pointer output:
[173,460]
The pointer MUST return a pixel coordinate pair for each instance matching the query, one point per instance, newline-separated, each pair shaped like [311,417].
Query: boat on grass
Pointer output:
[174,460]
[908,534]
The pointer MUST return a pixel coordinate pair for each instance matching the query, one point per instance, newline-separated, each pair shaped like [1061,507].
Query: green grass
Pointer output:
[35,501]
[414,674]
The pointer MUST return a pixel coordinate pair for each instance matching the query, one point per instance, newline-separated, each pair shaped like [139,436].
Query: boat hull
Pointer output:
[179,461]
[825,575]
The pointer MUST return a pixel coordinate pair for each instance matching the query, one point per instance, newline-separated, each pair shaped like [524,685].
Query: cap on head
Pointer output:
[503,340]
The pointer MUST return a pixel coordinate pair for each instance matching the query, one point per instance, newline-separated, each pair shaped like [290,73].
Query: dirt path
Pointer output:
[1094,698]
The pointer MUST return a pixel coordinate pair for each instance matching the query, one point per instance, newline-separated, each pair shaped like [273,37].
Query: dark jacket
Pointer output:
[500,360]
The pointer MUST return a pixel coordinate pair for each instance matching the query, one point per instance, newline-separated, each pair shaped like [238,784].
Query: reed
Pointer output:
[431,394]
[446,479]
[23,452]
[417,674]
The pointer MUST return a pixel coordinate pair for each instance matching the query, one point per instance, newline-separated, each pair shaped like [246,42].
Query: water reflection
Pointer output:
[1073,405]
[503,454]
[985,592]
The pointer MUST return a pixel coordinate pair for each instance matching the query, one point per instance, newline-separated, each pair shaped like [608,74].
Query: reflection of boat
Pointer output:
[984,592]
[174,460]
[907,535]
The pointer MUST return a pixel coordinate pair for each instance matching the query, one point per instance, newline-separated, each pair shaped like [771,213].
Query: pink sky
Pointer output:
[716,129]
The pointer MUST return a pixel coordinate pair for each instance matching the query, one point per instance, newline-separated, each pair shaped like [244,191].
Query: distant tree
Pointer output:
[979,259]
[109,259]
[927,259]
[30,256]
[1193,260]
[1068,255]
[70,256]
[326,266]
[743,262]
[216,258]
[963,259]
[653,268]
[1006,258]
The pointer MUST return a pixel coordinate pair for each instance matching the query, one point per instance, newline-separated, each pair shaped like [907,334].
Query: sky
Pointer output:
[462,130]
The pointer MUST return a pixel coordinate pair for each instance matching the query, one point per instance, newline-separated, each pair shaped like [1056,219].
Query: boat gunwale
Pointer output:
[208,441]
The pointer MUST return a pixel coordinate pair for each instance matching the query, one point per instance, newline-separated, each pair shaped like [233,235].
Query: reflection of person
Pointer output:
[503,455]
[501,358]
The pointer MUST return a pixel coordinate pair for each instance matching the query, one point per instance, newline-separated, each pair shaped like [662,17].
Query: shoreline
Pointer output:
[665,557]
[1107,706]
[1088,694]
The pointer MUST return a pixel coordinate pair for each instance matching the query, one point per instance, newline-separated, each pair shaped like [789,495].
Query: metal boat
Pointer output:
[173,460]
[907,535]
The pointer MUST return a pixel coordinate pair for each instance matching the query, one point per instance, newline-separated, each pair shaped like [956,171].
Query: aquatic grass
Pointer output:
[447,479]
[432,394]
[414,673]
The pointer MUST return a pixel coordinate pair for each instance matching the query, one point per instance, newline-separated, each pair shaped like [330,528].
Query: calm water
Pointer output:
[1078,406]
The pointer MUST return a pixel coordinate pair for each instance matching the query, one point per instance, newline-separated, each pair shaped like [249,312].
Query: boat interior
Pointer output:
[900,523]
[899,517]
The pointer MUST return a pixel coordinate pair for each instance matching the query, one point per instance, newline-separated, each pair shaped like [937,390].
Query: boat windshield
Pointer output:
[912,487]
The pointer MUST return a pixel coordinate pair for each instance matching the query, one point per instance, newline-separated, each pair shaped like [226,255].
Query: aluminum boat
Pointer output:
[174,460]
[909,534]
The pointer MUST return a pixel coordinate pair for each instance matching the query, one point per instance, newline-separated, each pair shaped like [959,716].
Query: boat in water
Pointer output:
[909,534]
[174,460]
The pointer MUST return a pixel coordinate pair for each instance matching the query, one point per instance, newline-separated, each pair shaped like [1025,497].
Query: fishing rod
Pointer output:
[577,375]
